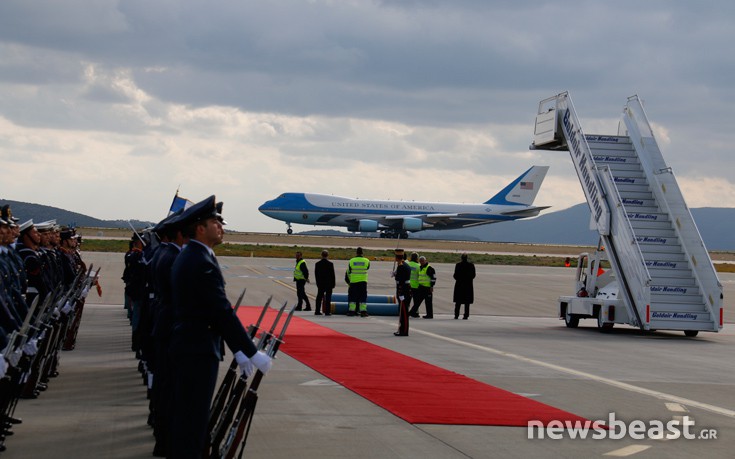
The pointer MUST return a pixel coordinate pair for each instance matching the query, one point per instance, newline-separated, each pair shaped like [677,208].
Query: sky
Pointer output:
[108,107]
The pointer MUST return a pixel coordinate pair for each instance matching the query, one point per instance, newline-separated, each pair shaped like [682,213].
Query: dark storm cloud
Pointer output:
[418,61]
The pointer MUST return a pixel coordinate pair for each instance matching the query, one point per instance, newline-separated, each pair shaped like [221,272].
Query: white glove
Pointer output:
[246,366]
[3,367]
[85,292]
[31,347]
[56,313]
[401,298]
[262,362]
[66,308]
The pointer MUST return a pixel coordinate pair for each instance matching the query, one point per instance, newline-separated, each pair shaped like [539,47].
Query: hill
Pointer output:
[571,227]
[41,213]
[564,227]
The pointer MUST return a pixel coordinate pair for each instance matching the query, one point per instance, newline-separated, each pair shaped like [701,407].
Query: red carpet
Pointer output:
[413,390]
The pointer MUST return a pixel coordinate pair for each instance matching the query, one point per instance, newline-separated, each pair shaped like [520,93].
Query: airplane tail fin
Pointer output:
[522,190]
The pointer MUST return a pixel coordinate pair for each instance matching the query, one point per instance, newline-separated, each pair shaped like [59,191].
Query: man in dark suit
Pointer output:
[203,317]
[325,281]
[464,293]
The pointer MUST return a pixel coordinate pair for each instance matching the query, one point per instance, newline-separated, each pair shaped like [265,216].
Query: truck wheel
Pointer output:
[571,321]
[691,333]
[603,326]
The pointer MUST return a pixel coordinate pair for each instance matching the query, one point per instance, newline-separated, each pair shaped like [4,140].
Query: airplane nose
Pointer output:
[266,206]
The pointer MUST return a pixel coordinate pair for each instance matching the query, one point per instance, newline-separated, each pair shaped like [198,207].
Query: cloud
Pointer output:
[415,99]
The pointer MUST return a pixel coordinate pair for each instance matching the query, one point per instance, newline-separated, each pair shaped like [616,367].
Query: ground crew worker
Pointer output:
[301,277]
[357,273]
[414,265]
[427,279]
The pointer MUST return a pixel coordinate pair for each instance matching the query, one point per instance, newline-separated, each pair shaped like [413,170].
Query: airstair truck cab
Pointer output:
[596,294]
[664,277]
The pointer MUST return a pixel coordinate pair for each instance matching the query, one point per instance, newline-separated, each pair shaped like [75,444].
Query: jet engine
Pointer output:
[367,226]
[413,224]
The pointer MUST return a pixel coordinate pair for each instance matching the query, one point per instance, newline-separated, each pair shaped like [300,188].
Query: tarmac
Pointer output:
[97,407]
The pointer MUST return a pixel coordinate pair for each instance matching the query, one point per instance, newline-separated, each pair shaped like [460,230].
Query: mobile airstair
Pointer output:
[665,277]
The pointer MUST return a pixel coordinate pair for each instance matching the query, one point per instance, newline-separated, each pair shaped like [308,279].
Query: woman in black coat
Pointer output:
[464,293]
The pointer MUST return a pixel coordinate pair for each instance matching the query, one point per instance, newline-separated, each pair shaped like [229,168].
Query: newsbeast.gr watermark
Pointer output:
[615,429]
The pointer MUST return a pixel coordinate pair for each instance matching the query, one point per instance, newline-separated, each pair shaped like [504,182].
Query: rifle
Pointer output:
[61,325]
[17,338]
[12,354]
[42,330]
[241,426]
[70,336]
[140,238]
[218,433]
[224,388]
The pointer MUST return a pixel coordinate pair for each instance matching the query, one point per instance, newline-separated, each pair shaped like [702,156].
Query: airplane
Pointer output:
[396,218]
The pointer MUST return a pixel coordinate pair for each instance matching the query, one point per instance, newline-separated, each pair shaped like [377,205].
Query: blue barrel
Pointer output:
[374,309]
[342,298]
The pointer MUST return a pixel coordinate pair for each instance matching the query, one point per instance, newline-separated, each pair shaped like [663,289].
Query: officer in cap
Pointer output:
[27,246]
[10,316]
[203,317]
[7,215]
[15,262]
[172,242]
[402,275]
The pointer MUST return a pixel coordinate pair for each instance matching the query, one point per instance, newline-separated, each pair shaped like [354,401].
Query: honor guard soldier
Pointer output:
[27,247]
[51,271]
[11,316]
[14,276]
[172,241]
[134,278]
[203,318]
[402,276]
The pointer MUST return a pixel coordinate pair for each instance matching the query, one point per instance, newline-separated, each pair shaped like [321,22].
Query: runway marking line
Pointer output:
[676,407]
[280,282]
[610,382]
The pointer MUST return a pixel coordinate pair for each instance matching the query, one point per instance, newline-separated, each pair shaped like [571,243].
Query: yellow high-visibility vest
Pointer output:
[358,269]
[297,273]
[424,279]
[414,265]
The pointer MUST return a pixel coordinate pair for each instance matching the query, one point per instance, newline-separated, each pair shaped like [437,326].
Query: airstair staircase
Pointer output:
[665,275]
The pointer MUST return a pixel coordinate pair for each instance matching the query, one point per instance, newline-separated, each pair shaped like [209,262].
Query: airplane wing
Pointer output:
[526,211]
[436,221]
[441,221]
[429,219]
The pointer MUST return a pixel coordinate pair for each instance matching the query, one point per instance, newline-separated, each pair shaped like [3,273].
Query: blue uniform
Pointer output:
[203,317]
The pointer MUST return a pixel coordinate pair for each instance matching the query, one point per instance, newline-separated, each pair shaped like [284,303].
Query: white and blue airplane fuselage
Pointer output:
[400,217]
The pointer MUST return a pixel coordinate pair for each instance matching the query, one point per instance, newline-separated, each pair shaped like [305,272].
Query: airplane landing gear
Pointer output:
[394,234]
[289,230]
